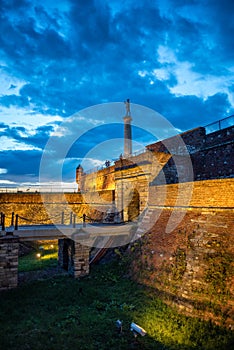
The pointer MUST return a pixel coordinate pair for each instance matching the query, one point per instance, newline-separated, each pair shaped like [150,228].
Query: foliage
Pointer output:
[218,273]
[64,313]
[180,264]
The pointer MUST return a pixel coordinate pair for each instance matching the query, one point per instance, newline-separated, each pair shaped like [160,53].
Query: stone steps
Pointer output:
[144,224]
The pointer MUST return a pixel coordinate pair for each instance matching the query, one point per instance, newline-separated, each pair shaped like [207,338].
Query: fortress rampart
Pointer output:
[192,265]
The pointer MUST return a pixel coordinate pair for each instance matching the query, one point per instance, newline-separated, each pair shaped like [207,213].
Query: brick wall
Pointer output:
[48,207]
[189,141]
[9,251]
[74,257]
[219,137]
[207,193]
[214,162]
[99,180]
[212,155]
[192,266]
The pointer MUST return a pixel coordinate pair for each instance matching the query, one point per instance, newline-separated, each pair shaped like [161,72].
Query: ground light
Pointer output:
[136,329]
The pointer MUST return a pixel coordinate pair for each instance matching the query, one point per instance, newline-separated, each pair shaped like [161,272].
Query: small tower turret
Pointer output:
[79,174]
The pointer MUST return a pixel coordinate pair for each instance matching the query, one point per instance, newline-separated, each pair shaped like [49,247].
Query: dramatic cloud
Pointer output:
[58,57]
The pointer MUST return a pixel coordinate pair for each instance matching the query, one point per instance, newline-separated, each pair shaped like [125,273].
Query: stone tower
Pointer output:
[127,131]
[79,174]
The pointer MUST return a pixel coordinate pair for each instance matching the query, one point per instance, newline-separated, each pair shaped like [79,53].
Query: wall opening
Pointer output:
[37,259]
[65,252]
[134,206]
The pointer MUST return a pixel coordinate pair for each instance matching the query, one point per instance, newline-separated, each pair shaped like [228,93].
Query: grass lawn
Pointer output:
[44,255]
[64,313]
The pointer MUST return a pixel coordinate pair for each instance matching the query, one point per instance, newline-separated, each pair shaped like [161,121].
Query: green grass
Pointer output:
[57,314]
[48,258]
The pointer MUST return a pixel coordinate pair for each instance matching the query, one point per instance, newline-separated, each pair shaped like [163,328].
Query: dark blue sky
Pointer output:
[59,57]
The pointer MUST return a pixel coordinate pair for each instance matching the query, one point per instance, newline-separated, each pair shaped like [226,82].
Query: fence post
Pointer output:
[16,221]
[84,217]
[70,217]
[3,222]
[62,218]
[74,220]
[12,218]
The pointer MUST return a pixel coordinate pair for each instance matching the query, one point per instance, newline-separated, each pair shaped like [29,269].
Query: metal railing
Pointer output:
[94,170]
[101,167]
[140,151]
[220,124]
[59,218]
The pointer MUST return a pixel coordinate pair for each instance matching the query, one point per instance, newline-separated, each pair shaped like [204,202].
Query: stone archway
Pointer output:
[134,206]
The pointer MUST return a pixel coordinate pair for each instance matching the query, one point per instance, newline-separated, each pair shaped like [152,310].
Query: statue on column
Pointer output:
[127,105]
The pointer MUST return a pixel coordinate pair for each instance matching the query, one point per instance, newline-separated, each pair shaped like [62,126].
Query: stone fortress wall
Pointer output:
[192,266]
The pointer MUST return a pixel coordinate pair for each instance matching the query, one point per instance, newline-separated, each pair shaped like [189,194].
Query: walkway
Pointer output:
[79,232]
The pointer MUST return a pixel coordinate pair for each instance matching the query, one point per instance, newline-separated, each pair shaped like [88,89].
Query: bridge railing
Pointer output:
[60,218]
[38,189]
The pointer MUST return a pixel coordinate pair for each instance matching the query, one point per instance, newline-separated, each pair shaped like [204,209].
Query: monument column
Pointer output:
[127,131]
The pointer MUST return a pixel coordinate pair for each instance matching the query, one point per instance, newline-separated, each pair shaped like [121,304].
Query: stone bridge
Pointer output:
[74,244]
